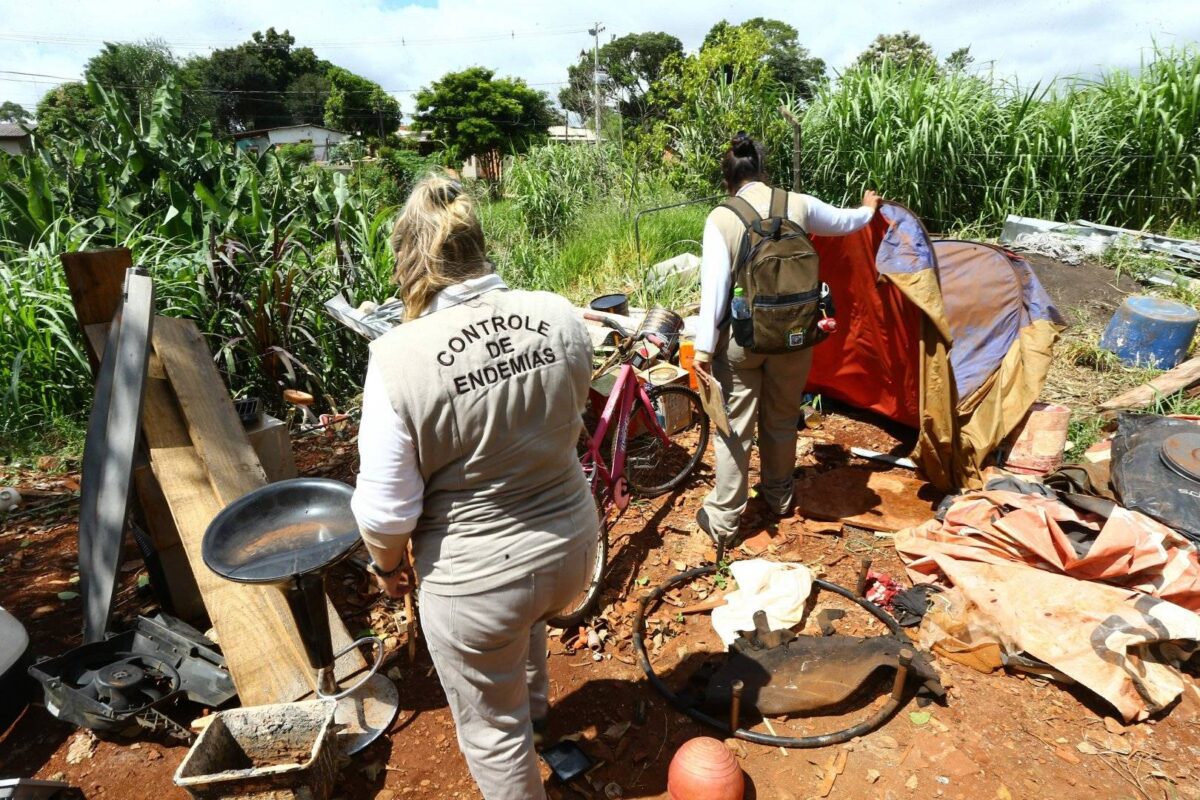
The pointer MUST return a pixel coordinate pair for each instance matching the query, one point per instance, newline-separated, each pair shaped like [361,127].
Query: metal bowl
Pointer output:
[282,531]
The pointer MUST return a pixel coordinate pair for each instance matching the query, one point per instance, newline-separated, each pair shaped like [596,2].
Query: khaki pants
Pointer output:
[762,391]
[490,653]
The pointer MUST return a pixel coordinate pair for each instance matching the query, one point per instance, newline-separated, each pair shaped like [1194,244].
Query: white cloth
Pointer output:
[390,492]
[779,588]
[716,267]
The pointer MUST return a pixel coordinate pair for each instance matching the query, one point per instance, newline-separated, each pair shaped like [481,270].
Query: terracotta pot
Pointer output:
[704,769]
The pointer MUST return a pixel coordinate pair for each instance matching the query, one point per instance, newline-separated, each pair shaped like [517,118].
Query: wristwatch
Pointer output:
[375,570]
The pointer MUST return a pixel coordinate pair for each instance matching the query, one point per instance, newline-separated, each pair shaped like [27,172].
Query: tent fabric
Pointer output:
[870,362]
[951,337]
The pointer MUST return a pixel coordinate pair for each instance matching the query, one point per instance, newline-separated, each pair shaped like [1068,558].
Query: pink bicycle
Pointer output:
[658,439]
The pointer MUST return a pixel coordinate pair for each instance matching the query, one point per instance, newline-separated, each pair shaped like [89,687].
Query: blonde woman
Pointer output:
[471,411]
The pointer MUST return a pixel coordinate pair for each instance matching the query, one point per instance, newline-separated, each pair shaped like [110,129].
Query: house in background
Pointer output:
[319,137]
[566,134]
[424,141]
[14,137]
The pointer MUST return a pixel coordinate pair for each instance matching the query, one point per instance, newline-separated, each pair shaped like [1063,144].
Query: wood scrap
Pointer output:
[834,767]
[1175,380]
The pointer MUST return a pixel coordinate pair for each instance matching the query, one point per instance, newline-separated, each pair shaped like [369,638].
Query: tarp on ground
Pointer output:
[1110,601]
[951,337]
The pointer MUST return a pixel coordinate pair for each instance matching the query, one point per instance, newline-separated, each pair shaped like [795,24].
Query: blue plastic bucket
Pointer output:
[1151,332]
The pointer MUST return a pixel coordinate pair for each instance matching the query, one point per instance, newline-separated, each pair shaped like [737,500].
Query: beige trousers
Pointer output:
[490,653]
[763,392]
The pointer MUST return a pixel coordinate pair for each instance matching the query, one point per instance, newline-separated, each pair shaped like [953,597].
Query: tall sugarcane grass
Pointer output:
[959,148]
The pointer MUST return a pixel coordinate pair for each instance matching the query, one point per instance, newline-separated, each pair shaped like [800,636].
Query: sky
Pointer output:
[404,45]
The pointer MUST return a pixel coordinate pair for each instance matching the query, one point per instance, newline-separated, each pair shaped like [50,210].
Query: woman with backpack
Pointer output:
[761,310]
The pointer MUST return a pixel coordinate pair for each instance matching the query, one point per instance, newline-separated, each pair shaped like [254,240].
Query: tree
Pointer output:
[476,114]
[788,61]
[904,49]
[632,63]
[13,112]
[709,96]
[960,60]
[357,105]
[64,109]
[133,71]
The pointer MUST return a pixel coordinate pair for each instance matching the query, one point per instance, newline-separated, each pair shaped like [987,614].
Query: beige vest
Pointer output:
[759,196]
[492,392]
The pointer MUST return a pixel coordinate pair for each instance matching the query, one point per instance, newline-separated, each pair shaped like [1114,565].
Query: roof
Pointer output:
[15,130]
[262,131]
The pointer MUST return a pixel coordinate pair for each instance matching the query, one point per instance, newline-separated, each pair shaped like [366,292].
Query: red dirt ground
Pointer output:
[997,736]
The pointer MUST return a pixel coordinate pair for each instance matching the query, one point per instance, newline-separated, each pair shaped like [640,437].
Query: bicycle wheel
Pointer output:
[583,602]
[653,467]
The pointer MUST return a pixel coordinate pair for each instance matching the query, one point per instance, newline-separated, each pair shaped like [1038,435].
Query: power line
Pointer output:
[70,40]
[59,79]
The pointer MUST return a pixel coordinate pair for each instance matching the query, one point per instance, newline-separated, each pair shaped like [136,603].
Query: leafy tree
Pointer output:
[306,98]
[960,60]
[13,112]
[476,114]
[633,63]
[64,109]
[904,49]
[789,62]
[709,96]
[357,105]
[133,71]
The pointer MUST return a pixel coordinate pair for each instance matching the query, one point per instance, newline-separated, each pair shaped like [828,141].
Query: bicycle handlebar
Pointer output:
[606,322]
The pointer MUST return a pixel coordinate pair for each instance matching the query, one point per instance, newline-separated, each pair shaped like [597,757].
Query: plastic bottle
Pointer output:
[687,360]
[738,306]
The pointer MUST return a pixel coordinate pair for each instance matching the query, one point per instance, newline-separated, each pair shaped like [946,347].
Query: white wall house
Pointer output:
[14,138]
[319,137]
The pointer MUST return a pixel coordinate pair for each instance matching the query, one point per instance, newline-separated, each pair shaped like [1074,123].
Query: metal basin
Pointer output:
[282,531]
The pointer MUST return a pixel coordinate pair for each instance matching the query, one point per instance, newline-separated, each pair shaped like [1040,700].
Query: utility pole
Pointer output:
[595,32]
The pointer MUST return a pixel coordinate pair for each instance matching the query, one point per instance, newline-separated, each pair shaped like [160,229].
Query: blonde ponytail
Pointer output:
[437,241]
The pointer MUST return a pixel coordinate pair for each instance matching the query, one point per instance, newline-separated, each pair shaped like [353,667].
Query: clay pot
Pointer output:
[704,769]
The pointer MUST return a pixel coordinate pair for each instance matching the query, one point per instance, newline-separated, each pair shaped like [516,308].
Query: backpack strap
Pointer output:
[779,203]
[741,206]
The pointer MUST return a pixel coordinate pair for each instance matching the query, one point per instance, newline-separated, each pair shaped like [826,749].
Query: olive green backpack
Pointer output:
[777,269]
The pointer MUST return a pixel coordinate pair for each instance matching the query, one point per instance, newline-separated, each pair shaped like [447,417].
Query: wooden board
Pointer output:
[96,280]
[1164,385]
[253,623]
[212,423]
[878,500]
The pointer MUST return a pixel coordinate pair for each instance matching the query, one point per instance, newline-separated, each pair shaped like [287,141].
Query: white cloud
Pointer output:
[1033,39]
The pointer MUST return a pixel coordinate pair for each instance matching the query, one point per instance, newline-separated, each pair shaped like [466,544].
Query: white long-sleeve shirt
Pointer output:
[716,265]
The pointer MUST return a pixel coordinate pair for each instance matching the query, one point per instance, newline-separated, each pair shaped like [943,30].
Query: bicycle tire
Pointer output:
[582,604]
[666,470]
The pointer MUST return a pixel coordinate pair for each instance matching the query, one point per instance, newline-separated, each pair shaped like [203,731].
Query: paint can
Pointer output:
[662,327]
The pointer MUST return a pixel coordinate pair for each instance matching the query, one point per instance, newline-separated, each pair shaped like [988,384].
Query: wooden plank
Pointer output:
[108,456]
[253,623]
[1165,385]
[96,280]
[212,423]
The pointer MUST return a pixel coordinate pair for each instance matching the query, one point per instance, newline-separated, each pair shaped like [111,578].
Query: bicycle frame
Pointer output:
[609,483]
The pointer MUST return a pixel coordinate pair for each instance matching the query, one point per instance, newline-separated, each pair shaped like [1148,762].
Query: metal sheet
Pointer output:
[109,449]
